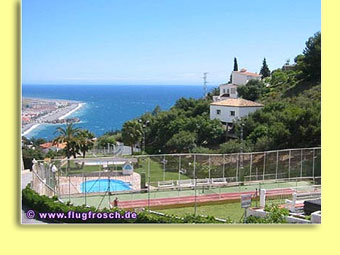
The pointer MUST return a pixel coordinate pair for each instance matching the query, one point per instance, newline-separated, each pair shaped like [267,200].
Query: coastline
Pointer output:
[72,111]
[30,129]
[59,114]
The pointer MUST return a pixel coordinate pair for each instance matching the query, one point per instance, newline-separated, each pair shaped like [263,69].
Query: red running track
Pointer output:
[199,199]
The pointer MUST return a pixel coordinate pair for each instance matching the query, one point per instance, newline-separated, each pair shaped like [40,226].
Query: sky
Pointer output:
[159,42]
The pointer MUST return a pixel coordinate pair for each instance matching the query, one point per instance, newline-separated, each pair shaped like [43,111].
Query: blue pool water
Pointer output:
[104,185]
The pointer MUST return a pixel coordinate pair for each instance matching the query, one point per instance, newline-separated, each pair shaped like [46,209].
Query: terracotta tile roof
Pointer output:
[237,102]
[49,145]
[244,72]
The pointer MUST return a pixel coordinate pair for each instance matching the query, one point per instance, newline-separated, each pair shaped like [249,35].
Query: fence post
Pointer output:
[179,167]
[85,189]
[195,212]
[264,165]
[301,164]
[290,155]
[251,165]
[149,178]
[163,168]
[277,163]
[236,176]
[223,173]
[194,166]
[69,188]
[210,167]
[313,166]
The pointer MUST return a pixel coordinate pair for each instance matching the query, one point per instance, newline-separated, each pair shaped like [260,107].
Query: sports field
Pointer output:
[102,201]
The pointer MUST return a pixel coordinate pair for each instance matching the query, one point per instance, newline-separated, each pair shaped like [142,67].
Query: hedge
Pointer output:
[43,204]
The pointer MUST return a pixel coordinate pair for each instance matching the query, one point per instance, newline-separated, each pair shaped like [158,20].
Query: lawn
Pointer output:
[223,211]
[78,169]
[157,172]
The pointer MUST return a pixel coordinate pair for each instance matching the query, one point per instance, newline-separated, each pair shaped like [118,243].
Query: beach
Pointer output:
[55,110]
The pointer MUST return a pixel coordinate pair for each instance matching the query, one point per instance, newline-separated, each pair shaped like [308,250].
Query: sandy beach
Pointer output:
[58,114]
[29,129]
[72,111]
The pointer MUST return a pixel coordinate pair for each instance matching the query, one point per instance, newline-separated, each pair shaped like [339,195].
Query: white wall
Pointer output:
[225,116]
[224,90]
[244,111]
[242,79]
[225,113]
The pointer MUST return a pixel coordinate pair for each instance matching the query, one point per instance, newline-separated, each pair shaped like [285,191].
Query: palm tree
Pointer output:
[85,138]
[132,133]
[68,135]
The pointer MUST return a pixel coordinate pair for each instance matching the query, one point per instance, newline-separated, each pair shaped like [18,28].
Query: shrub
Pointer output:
[43,203]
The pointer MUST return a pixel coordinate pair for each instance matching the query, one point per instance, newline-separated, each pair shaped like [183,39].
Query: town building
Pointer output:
[238,78]
[232,109]
[50,146]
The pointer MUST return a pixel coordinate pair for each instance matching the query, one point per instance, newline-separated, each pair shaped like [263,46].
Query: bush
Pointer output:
[275,215]
[41,204]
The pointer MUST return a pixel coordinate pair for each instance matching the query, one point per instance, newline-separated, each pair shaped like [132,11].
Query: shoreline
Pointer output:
[30,129]
[80,105]
[59,114]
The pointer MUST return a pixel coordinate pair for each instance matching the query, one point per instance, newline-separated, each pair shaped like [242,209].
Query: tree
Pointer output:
[156,110]
[310,62]
[68,135]
[85,141]
[28,154]
[183,141]
[132,133]
[235,69]
[265,72]
[253,90]
[235,65]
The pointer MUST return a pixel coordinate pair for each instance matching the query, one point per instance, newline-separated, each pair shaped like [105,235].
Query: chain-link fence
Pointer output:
[176,180]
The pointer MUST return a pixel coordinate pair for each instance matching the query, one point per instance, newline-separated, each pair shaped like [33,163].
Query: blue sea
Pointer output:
[107,107]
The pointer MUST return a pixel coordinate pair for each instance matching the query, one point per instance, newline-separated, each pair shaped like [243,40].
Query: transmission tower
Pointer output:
[205,88]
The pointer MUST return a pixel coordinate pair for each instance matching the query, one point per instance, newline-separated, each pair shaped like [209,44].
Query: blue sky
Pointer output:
[159,42]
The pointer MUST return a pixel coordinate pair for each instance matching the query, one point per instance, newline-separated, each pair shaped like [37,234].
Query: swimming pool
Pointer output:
[104,185]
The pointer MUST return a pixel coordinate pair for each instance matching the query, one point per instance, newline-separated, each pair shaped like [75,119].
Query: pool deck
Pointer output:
[72,184]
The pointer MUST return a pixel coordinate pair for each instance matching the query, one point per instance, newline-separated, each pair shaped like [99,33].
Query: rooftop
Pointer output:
[49,145]
[237,102]
[244,72]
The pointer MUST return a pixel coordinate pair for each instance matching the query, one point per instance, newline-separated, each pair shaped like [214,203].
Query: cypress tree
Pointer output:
[265,72]
[235,69]
[235,65]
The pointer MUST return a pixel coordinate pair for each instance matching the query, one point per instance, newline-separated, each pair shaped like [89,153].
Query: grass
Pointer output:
[223,211]
[157,172]
[77,169]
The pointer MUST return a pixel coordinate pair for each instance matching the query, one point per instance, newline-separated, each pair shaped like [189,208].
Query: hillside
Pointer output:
[291,117]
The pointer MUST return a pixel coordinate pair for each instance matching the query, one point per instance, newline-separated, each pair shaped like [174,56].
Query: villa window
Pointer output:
[218,112]
[232,113]
[223,91]
[232,91]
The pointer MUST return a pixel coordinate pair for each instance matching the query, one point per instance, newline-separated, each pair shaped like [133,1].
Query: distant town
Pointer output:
[36,111]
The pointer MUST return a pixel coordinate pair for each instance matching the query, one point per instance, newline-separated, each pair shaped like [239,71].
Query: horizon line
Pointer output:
[105,84]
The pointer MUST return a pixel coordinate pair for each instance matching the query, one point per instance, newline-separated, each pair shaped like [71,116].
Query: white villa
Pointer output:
[238,78]
[228,107]
[232,109]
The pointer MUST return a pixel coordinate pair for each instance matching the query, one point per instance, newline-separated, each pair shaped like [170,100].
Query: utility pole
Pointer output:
[205,88]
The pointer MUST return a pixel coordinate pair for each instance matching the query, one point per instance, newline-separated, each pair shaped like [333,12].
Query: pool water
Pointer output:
[104,185]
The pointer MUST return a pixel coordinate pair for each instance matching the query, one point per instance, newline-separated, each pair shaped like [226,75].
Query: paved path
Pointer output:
[26,177]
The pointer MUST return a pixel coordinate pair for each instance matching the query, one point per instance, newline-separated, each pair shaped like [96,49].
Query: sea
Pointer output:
[107,107]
